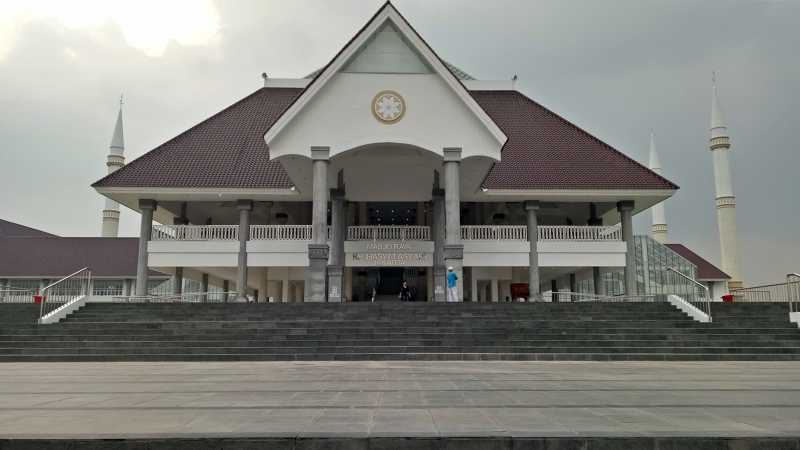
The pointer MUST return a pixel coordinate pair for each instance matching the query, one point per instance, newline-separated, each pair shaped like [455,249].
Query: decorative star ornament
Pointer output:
[388,107]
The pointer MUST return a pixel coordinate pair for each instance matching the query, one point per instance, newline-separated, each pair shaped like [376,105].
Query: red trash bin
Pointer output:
[727,298]
[38,299]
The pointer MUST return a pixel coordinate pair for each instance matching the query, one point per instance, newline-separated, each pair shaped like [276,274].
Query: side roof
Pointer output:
[227,150]
[55,257]
[705,270]
[543,151]
[11,229]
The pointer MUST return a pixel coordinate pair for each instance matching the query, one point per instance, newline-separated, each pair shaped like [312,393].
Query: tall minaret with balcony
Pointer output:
[720,145]
[659,227]
[116,159]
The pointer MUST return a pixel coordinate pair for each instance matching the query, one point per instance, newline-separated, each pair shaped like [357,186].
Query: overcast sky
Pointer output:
[616,68]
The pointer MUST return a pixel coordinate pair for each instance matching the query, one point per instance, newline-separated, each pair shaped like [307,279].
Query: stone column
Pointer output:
[177,281]
[244,206]
[348,284]
[318,248]
[336,267]
[204,283]
[453,249]
[285,296]
[625,209]
[495,290]
[145,230]
[532,208]
[263,288]
[473,288]
[226,287]
[437,229]
[597,281]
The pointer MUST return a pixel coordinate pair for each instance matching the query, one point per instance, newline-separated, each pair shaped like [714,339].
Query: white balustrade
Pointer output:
[494,232]
[546,233]
[195,233]
[280,232]
[389,233]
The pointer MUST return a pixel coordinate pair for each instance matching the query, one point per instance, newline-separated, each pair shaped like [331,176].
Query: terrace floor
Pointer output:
[422,399]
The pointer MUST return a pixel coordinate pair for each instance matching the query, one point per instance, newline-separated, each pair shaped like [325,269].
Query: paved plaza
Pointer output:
[373,399]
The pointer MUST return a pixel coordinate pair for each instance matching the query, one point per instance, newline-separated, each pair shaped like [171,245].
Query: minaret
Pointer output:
[659,227]
[115,160]
[720,145]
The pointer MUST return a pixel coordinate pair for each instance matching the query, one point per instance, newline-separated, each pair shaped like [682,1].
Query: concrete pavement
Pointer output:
[376,399]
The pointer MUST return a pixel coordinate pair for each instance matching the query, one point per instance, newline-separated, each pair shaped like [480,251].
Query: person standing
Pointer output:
[452,285]
[405,293]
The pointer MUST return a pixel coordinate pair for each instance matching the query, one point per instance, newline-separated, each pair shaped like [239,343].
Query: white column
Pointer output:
[532,208]
[318,248]
[285,296]
[495,289]
[625,209]
[145,230]
[453,249]
[244,206]
[336,267]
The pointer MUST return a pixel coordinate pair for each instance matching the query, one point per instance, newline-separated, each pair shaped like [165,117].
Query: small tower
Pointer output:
[115,160]
[659,227]
[720,146]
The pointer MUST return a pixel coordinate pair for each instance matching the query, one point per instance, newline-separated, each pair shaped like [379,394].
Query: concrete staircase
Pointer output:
[403,331]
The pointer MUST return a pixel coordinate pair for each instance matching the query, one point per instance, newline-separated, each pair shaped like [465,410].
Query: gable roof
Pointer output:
[705,270]
[386,13]
[55,257]
[11,229]
[543,151]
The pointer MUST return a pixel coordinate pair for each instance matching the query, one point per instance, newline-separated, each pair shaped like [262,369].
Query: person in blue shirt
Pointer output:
[452,285]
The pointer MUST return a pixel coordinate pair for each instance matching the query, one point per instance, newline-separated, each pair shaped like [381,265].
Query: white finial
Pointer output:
[117,146]
[265,77]
[514,81]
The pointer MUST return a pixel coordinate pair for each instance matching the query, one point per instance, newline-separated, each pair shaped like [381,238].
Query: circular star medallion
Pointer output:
[388,107]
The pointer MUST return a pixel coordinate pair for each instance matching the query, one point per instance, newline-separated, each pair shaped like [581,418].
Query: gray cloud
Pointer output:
[617,69]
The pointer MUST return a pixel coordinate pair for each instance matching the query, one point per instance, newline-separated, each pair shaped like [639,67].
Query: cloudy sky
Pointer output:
[616,68]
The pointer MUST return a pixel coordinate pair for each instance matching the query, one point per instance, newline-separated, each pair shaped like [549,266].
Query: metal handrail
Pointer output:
[792,289]
[707,301]
[64,290]
[16,295]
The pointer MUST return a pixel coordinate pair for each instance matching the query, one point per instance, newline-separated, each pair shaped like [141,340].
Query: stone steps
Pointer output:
[401,331]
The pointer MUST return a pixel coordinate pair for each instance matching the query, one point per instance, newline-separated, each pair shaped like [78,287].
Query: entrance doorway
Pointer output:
[386,282]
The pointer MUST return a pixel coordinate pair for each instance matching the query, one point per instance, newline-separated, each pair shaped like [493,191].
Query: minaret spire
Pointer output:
[659,226]
[720,146]
[114,161]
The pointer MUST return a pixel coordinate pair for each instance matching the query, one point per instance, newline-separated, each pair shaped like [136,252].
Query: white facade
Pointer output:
[388,151]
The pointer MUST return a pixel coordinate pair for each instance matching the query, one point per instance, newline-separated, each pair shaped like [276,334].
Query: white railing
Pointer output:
[195,233]
[280,232]
[63,292]
[546,232]
[793,292]
[703,303]
[494,232]
[12,295]
[186,297]
[389,233]
[579,233]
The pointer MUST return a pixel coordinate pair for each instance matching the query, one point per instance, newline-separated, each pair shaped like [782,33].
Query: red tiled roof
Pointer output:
[543,151]
[55,257]
[705,270]
[226,150]
[11,229]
